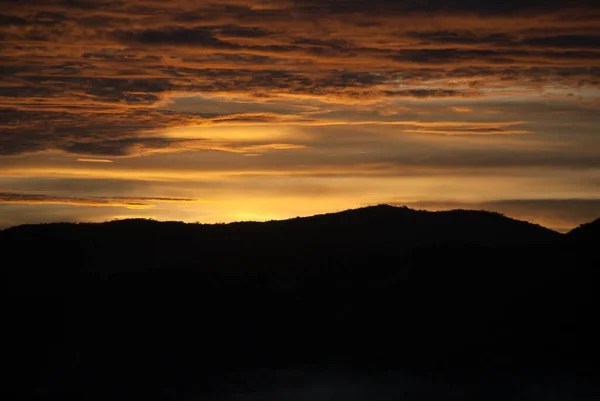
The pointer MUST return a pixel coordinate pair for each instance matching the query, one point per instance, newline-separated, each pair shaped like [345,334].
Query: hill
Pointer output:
[98,311]
[145,244]
[589,232]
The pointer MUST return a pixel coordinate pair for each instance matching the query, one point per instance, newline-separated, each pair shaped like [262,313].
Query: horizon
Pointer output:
[223,111]
[150,219]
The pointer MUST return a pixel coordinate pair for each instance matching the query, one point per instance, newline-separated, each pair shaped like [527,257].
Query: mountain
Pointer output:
[422,227]
[589,232]
[101,311]
[145,244]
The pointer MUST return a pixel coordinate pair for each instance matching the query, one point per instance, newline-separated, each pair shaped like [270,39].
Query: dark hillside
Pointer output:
[102,310]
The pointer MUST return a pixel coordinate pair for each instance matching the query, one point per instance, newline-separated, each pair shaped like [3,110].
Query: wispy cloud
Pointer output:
[87,160]
[458,109]
[126,202]
[471,131]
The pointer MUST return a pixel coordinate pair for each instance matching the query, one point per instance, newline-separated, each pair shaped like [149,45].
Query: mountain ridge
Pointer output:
[382,287]
[372,210]
[587,231]
[377,227]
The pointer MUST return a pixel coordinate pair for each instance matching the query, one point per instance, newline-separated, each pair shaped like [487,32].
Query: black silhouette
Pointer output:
[457,300]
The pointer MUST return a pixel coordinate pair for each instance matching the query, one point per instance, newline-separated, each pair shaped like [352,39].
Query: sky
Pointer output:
[227,110]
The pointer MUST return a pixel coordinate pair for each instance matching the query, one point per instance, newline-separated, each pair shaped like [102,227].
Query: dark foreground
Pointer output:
[374,304]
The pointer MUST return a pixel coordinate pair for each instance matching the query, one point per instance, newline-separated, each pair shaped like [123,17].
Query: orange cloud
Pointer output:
[126,202]
[473,131]
[184,90]
[92,80]
[458,109]
[88,160]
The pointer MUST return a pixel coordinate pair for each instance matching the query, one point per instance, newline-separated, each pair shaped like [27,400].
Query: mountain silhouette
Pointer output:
[145,244]
[586,232]
[102,310]
[422,227]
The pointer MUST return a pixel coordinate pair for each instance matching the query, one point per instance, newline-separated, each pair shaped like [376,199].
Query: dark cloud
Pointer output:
[18,198]
[106,90]
[233,31]
[447,37]
[477,56]
[117,201]
[88,186]
[250,59]
[441,56]
[568,41]
[508,7]
[200,37]
[505,40]
[82,133]
[423,93]
[12,20]
[117,147]
[92,77]
[332,43]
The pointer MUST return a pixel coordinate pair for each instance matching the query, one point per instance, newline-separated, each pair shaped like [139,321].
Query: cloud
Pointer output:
[509,7]
[12,20]
[198,37]
[126,202]
[88,160]
[105,94]
[235,31]
[461,109]
[523,40]
[112,129]
[564,41]
[184,89]
[469,131]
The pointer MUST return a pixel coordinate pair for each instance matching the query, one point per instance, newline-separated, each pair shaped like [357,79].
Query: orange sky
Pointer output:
[226,110]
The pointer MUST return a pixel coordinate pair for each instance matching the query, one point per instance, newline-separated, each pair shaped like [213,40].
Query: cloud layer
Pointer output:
[85,77]
[440,94]
[97,201]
